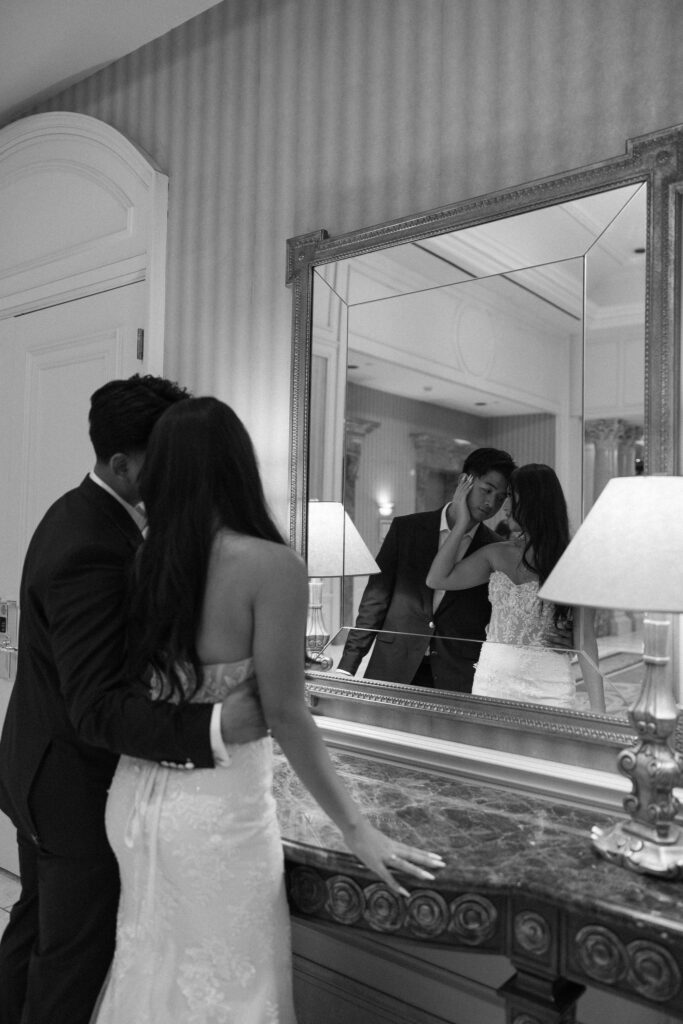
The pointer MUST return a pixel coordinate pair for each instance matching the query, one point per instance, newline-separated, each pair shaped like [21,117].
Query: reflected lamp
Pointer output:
[628,554]
[335,548]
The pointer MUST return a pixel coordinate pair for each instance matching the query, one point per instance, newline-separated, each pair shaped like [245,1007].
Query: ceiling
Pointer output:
[48,44]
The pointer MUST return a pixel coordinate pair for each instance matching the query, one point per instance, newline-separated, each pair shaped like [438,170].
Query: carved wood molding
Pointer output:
[543,941]
[642,966]
[467,919]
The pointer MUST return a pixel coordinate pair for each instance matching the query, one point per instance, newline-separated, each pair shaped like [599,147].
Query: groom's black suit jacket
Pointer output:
[71,711]
[398,601]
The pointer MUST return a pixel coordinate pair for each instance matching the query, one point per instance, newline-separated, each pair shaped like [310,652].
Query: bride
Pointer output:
[523,657]
[219,603]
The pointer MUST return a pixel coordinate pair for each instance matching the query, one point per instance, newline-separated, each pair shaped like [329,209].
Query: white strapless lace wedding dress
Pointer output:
[203,925]
[515,662]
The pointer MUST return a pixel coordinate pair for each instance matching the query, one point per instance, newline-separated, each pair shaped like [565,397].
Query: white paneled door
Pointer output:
[52,360]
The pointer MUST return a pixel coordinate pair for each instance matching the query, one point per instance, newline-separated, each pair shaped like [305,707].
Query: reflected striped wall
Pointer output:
[277,117]
[529,438]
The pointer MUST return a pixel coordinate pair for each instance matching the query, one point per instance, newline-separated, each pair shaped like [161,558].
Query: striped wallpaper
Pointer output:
[277,117]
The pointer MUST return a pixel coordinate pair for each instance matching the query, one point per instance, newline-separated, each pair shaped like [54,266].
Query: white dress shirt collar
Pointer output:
[445,527]
[463,546]
[136,514]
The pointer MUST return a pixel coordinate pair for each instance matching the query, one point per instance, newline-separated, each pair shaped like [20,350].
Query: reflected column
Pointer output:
[630,448]
[610,451]
[604,435]
[438,461]
[356,432]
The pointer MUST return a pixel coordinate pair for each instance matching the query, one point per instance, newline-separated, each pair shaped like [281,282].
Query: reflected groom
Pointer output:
[413,619]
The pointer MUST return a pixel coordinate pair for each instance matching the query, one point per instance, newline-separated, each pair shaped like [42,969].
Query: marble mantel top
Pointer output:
[521,878]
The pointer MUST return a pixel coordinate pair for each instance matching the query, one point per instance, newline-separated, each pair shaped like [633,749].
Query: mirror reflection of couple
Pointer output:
[208,615]
[455,607]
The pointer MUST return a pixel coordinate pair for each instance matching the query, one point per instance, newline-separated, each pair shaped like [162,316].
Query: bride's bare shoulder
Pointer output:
[503,554]
[240,550]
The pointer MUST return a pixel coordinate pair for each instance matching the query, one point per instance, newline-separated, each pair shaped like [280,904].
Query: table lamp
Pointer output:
[628,554]
[335,548]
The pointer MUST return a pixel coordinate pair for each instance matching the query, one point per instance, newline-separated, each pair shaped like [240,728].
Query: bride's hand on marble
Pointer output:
[383,855]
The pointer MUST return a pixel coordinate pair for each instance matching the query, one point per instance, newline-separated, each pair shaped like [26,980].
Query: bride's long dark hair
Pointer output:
[539,507]
[200,474]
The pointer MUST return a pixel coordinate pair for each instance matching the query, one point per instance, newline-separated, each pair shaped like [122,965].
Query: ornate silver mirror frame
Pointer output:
[572,737]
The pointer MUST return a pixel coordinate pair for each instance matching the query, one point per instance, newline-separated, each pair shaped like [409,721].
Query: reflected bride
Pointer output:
[515,570]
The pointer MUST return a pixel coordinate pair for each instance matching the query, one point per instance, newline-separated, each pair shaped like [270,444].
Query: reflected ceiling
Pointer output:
[535,260]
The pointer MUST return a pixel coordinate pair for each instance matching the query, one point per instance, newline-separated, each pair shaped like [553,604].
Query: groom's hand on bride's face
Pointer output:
[241,717]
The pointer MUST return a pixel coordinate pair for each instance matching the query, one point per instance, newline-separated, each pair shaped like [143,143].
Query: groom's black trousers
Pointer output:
[75,901]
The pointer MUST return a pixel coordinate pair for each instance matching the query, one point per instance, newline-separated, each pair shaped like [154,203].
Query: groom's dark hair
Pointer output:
[123,412]
[485,460]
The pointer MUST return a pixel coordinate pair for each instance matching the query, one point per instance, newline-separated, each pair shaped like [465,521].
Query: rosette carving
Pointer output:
[602,954]
[383,909]
[664,156]
[603,430]
[307,890]
[427,914]
[532,932]
[646,967]
[345,900]
[653,972]
[473,919]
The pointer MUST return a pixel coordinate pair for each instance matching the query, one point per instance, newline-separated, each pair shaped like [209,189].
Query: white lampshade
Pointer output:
[335,547]
[628,552]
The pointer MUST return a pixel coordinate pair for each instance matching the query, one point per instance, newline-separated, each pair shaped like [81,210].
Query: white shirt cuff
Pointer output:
[218,748]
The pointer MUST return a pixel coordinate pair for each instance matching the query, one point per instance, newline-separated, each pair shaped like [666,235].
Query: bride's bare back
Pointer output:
[240,568]
[255,606]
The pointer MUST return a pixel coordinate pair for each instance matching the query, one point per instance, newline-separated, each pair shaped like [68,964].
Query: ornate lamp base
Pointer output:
[317,636]
[652,841]
[624,846]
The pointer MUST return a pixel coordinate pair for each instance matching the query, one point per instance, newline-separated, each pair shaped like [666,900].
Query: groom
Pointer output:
[422,637]
[72,712]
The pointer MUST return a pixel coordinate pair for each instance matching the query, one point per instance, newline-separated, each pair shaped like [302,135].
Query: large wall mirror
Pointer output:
[542,321]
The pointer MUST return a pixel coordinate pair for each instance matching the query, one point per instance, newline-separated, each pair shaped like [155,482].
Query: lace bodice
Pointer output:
[218,680]
[222,677]
[518,616]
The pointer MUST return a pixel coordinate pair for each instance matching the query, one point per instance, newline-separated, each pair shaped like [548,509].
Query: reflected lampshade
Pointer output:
[335,547]
[628,552]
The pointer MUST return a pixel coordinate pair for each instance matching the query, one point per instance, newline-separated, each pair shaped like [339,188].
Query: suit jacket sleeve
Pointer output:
[374,604]
[86,608]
